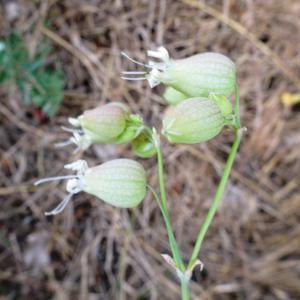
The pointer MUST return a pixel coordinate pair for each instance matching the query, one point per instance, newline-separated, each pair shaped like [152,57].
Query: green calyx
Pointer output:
[173,97]
[110,124]
[201,74]
[133,127]
[223,103]
[105,122]
[192,121]
[119,182]
[143,146]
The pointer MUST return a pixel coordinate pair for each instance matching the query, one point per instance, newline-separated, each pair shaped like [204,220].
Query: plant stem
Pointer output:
[185,293]
[184,283]
[237,106]
[164,209]
[216,200]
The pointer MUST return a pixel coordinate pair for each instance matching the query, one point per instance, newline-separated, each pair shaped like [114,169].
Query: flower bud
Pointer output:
[104,123]
[195,76]
[111,123]
[173,96]
[143,146]
[134,125]
[223,103]
[192,121]
[119,182]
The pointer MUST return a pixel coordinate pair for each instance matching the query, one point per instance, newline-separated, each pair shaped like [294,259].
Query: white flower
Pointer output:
[155,70]
[118,182]
[75,183]
[195,76]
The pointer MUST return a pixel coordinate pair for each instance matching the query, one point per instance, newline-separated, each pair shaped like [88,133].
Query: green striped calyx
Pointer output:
[195,76]
[143,146]
[223,103]
[119,182]
[105,122]
[111,123]
[192,121]
[200,75]
[173,97]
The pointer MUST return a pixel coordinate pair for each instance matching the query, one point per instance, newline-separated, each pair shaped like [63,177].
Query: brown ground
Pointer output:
[93,251]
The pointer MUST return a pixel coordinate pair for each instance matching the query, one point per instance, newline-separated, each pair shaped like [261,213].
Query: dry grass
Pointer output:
[93,251]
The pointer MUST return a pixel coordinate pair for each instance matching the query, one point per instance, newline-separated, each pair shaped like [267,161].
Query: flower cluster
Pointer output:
[197,92]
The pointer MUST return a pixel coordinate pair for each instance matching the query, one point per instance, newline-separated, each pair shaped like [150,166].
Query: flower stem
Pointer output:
[183,282]
[237,106]
[185,293]
[217,199]
[164,209]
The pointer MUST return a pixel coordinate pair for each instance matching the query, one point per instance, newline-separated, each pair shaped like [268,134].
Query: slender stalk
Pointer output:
[161,177]
[185,293]
[237,106]
[184,283]
[164,209]
[216,200]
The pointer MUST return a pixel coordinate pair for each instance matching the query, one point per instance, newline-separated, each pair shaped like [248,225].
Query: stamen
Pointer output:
[55,178]
[133,78]
[79,165]
[153,53]
[72,130]
[83,141]
[157,68]
[74,122]
[157,65]
[63,144]
[161,53]
[58,209]
[135,61]
[133,72]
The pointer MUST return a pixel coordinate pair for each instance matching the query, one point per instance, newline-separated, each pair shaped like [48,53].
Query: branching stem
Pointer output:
[216,200]
[164,209]
[162,202]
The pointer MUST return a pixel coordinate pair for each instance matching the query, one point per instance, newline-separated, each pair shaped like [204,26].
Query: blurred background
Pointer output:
[58,58]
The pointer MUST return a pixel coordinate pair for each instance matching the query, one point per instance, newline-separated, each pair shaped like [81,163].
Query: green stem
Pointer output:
[185,293]
[172,241]
[237,106]
[184,284]
[216,200]
[164,209]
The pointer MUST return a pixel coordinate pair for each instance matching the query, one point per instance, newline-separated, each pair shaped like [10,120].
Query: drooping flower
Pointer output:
[111,123]
[194,120]
[173,96]
[194,76]
[119,182]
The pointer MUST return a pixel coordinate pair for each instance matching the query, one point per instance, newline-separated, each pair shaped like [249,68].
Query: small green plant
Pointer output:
[38,84]
[198,89]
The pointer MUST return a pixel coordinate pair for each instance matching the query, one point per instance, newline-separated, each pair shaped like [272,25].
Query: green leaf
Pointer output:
[38,83]
[52,83]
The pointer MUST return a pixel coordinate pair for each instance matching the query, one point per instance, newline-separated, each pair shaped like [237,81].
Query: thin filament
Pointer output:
[60,207]
[72,130]
[133,72]
[63,144]
[135,61]
[133,78]
[55,178]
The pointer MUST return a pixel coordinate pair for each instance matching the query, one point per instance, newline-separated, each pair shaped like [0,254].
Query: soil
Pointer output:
[94,251]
